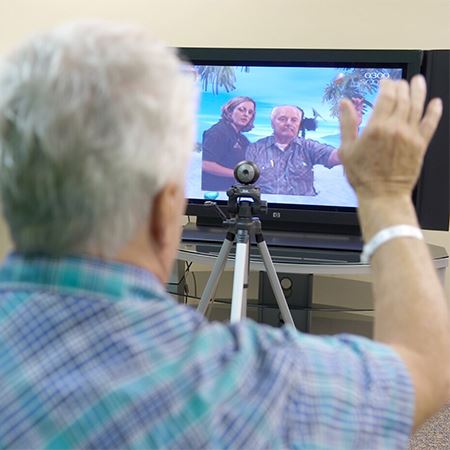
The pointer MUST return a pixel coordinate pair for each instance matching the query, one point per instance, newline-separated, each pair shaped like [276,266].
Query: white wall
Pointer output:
[251,23]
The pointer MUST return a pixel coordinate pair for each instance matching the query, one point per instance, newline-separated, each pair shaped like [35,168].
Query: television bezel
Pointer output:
[300,218]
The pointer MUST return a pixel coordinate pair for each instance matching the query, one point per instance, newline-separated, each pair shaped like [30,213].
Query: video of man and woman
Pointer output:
[285,119]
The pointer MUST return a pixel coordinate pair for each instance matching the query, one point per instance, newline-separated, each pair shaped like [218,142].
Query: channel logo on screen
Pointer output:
[377,75]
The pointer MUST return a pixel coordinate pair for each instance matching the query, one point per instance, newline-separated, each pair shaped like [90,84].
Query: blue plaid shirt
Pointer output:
[96,355]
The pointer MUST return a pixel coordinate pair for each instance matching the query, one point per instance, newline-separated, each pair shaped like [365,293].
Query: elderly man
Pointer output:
[286,160]
[96,127]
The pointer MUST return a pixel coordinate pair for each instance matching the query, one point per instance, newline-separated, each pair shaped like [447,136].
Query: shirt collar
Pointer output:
[296,140]
[79,274]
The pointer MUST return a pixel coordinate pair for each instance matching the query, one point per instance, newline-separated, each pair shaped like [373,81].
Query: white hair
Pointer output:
[275,111]
[95,118]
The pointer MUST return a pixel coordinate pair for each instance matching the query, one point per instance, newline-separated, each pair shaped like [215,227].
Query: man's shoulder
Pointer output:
[301,142]
[262,143]
[264,140]
[311,143]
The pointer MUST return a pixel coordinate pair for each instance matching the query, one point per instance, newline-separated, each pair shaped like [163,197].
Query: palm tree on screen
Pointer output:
[355,84]
[218,77]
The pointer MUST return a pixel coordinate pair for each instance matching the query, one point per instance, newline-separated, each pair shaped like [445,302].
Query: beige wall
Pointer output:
[251,23]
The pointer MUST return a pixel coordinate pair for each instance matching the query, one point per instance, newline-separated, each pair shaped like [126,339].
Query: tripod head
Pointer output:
[244,199]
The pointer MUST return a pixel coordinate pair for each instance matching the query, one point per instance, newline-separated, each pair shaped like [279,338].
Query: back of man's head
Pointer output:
[95,118]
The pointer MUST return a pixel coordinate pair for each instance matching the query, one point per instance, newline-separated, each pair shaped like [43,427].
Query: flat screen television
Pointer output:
[313,81]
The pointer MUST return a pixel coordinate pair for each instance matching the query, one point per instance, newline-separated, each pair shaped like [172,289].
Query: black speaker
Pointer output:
[433,189]
[297,288]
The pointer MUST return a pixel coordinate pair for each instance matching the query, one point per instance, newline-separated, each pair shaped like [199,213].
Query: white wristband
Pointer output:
[386,235]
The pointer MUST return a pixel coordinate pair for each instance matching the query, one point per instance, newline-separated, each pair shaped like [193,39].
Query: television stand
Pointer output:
[295,266]
[283,239]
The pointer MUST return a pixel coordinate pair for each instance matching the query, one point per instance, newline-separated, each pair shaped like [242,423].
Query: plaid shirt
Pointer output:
[289,171]
[96,355]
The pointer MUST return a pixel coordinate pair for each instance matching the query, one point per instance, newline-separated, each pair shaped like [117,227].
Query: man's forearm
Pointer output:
[384,211]
[410,307]
[383,164]
[334,159]
[400,286]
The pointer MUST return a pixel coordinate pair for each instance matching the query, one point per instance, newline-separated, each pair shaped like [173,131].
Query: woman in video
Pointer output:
[224,144]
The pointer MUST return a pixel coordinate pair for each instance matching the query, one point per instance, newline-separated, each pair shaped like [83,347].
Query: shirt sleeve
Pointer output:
[319,153]
[271,387]
[351,391]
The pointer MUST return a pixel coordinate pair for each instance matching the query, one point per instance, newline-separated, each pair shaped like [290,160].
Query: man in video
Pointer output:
[287,161]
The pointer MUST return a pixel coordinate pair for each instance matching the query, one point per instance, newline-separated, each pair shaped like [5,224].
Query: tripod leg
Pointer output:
[240,280]
[245,288]
[274,281]
[213,280]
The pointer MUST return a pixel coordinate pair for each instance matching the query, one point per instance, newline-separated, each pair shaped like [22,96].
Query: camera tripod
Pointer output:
[240,227]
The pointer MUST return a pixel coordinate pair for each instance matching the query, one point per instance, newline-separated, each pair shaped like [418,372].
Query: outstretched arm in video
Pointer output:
[334,158]
[383,166]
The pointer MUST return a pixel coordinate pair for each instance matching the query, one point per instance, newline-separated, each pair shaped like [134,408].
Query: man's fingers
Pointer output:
[403,103]
[387,98]
[348,120]
[431,118]
[418,94]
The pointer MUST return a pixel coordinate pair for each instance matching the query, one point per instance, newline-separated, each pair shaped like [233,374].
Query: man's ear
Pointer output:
[166,214]
[163,213]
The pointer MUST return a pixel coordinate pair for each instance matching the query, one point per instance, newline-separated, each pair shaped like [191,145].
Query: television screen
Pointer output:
[283,118]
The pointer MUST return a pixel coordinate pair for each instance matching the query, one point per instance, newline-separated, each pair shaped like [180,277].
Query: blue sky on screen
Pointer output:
[271,86]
